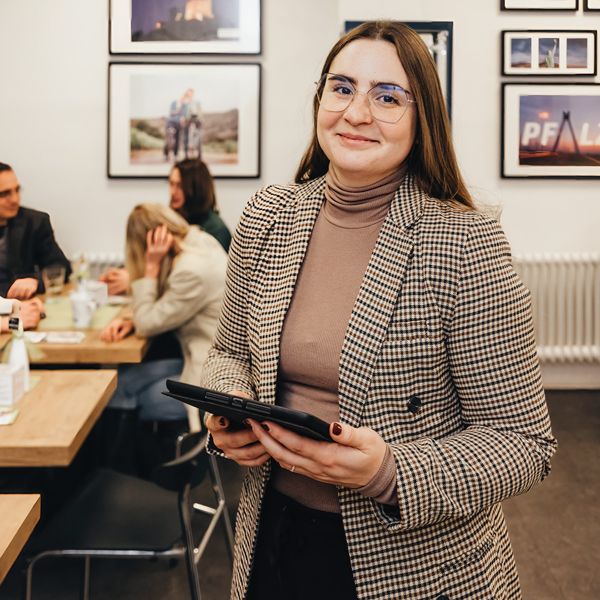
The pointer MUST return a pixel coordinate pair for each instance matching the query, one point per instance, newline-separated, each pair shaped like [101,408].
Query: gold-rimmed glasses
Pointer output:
[387,101]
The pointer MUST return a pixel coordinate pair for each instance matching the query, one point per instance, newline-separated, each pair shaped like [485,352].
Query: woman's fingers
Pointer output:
[352,461]
[111,331]
[216,423]
[257,462]
[285,457]
[241,445]
[160,234]
[249,452]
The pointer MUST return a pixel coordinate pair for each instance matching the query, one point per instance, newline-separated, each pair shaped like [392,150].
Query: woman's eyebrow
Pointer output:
[372,83]
[392,83]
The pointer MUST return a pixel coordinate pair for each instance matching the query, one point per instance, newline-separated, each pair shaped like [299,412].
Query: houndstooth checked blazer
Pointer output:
[439,358]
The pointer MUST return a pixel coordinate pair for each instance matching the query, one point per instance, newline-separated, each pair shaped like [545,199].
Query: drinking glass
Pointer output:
[54,281]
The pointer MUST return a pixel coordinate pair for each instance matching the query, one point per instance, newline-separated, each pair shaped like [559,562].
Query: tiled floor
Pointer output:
[555,531]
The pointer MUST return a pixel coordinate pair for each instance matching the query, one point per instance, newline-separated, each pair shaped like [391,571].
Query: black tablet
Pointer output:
[238,409]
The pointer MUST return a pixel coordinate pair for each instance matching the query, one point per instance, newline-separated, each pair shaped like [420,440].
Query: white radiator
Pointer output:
[99,262]
[565,295]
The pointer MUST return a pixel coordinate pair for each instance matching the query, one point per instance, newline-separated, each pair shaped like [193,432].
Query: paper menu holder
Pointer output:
[12,385]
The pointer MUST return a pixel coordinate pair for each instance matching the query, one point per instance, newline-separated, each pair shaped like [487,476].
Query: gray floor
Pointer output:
[555,531]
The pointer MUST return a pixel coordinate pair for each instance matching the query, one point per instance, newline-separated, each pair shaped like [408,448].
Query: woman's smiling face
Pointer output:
[361,149]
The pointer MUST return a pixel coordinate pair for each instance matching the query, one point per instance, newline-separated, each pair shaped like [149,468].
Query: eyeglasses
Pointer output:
[387,102]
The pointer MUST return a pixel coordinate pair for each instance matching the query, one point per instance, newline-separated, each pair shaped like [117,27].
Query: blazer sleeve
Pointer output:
[227,367]
[506,444]
[184,298]
[47,251]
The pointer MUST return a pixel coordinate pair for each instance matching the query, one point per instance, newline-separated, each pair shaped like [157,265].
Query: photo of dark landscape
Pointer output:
[520,52]
[184,20]
[559,130]
[577,53]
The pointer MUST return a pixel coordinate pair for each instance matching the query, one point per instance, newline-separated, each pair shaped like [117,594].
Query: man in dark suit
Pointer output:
[27,242]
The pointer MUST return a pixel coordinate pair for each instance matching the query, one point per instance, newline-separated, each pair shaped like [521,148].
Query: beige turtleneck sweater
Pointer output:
[313,332]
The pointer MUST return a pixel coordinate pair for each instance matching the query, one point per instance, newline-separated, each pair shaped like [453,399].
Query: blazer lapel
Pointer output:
[288,242]
[376,300]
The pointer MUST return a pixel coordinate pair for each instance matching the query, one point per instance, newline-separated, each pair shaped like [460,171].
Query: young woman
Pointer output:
[178,274]
[192,195]
[373,294]
[192,192]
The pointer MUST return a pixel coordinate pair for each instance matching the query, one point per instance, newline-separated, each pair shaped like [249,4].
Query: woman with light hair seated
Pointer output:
[177,275]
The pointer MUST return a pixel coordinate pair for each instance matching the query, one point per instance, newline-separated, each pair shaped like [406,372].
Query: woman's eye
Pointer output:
[342,90]
[387,99]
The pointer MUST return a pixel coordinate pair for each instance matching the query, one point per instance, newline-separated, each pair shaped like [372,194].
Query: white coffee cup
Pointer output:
[98,291]
[83,308]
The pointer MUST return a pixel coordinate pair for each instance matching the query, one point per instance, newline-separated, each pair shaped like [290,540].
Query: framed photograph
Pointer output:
[437,35]
[591,5]
[161,113]
[549,52]
[550,130]
[539,5]
[185,26]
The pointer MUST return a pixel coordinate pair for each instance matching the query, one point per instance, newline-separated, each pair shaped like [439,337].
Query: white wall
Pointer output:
[53,114]
[53,106]
[538,215]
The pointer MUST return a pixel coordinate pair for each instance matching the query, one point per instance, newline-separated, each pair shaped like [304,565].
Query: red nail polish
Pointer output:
[337,429]
[265,426]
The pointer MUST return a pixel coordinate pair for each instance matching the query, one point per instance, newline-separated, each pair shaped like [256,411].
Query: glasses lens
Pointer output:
[388,102]
[337,93]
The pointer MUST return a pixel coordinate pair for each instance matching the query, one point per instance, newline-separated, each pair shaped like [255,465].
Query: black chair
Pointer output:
[119,516]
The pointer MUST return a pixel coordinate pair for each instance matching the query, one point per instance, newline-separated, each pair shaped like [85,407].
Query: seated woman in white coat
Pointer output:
[177,277]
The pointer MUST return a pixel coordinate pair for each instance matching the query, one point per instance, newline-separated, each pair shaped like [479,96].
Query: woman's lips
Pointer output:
[356,139]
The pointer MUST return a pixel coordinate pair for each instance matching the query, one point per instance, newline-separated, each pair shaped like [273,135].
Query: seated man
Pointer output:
[27,242]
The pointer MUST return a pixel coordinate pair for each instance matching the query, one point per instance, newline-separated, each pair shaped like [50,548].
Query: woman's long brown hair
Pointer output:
[198,190]
[432,160]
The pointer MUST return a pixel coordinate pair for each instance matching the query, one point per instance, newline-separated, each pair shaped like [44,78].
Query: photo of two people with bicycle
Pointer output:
[183,128]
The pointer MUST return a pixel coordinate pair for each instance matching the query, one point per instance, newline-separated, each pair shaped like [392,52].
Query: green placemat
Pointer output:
[59,316]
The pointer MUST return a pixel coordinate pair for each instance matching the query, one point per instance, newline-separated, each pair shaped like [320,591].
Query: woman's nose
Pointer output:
[359,110]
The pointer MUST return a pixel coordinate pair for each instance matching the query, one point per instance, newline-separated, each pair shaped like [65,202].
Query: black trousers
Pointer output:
[301,554]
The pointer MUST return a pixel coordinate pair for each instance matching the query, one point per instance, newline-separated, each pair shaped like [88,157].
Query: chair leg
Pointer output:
[28,576]
[186,525]
[220,493]
[85,588]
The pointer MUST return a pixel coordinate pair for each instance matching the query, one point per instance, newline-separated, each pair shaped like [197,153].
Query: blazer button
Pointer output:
[414,406]
[442,597]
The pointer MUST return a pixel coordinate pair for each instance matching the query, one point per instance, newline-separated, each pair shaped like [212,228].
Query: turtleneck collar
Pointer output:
[358,207]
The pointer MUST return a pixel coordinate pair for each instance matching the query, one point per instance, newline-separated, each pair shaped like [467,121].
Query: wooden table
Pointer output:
[92,350]
[55,417]
[20,513]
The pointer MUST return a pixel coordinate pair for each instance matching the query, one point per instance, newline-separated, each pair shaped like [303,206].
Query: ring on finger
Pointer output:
[292,468]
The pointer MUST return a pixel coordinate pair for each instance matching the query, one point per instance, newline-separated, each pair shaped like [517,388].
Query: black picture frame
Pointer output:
[591,5]
[531,148]
[537,5]
[439,30]
[564,50]
[151,114]
[214,39]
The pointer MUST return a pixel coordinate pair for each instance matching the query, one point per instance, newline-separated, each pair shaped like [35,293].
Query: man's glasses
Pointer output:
[387,102]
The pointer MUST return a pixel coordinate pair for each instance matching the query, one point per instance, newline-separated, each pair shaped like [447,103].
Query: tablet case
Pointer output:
[237,409]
